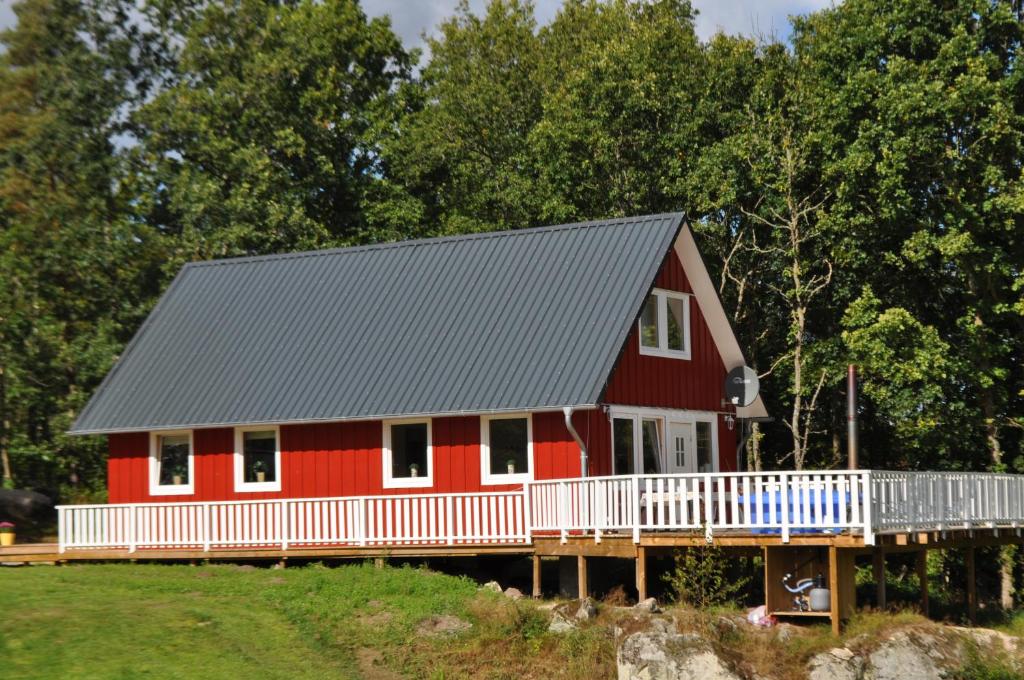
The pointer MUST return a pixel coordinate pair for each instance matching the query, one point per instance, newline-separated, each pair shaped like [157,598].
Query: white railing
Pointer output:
[422,519]
[864,502]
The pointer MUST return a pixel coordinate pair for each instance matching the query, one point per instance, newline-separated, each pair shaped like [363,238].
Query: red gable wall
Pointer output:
[696,384]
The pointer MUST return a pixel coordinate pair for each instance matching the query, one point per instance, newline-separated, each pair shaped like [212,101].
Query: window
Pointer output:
[407,454]
[705,462]
[622,446]
[665,325]
[257,459]
[652,429]
[506,449]
[171,466]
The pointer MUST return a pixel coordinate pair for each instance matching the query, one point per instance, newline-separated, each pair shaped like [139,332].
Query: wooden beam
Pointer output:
[581,576]
[536,576]
[878,569]
[833,585]
[972,590]
[641,573]
[922,577]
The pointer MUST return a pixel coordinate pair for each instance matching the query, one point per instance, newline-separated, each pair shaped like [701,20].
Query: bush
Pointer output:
[702,578]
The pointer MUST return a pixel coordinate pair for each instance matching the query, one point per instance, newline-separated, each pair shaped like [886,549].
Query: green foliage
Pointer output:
[703,578]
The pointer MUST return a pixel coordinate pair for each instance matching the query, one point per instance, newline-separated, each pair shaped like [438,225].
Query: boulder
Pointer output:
[648,605]
[662,653]
[23,505]
[903,657]
[836,664]
[560,623]
[492,586]
[513,593]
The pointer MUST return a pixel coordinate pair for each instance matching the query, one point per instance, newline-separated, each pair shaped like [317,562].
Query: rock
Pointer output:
[587,610]
[662,653]
[442,625]
[784,633]
[560,624]
[513,593]
[648,605]
[987,637]
[493,586]
[836,664]
[23,505]
[725,626]
[903,658]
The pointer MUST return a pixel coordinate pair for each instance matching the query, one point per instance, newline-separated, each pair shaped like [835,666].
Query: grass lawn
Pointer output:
[227,621]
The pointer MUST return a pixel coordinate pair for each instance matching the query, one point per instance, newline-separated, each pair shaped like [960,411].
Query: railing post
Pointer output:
[448,504]
[598,509]
[785,501]
[363,522]
[527,513]
[635,503]
[709,508]
[206,527]
[285,523]
[132,530]
[563,511]
[61,529]
[867,514]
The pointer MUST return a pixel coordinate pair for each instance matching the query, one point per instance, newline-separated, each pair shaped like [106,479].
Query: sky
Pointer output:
[411,18]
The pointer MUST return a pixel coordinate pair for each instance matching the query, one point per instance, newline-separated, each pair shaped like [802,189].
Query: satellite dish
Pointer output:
[741,386]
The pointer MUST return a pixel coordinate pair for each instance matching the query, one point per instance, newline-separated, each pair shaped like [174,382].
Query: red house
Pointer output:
[465,364]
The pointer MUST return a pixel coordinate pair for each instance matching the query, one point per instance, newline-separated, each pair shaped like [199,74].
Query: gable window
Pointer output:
[171,466]
[257,459]
[407,454]
[665,324]
[506,449]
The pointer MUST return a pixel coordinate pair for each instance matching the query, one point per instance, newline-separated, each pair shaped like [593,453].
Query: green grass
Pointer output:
[223,621]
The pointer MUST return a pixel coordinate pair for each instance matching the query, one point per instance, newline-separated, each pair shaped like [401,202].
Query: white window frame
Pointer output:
[155,487]
[240,484]
[486,476]
[420,481]
[666,416]
[663,296]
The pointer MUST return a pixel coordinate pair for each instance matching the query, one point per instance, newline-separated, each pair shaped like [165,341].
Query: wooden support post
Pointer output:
[641,573]
[581,576]
[378,562]
[536,576]
[878,568]
[922,577]
[833,585]
[281,563]
[972,590]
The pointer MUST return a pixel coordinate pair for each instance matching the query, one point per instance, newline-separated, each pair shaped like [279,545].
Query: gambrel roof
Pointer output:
[505,321]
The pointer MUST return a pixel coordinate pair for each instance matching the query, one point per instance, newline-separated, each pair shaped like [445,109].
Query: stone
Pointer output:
[442,625]
[492,586]
[560,624]
[662,653]
[902,658]
[587,610]
[648,605]
[836,664]
[513,593]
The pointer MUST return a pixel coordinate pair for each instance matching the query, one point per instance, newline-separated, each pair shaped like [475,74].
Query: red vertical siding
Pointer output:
[694,384]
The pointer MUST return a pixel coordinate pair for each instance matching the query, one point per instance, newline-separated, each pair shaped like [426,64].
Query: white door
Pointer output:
[682,453]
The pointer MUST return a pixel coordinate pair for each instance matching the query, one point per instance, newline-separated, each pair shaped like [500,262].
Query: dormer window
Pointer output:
[665,325]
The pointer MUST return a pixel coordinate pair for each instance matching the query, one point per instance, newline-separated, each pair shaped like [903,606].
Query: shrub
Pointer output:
[701,578]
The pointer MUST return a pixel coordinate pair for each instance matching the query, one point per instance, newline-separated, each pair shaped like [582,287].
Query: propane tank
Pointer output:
[820,596]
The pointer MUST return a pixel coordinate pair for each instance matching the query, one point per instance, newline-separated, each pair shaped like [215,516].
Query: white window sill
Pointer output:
[171,490]
[666,354]
[408,482]
[255,487]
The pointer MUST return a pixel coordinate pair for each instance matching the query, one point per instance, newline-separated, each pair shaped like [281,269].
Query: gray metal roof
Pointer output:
[503,321]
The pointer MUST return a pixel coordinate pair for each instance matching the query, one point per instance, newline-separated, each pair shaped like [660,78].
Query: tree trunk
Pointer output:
[5,428]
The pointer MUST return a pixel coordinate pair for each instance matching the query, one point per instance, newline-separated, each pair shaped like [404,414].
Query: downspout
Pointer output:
[579,442]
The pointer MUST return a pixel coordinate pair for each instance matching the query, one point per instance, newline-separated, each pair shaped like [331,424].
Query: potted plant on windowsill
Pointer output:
[178,475]
[259,469]
[6,533]
[510,464]
[414,470]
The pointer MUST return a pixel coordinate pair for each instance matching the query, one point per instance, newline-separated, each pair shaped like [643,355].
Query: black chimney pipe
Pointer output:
[851,417]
